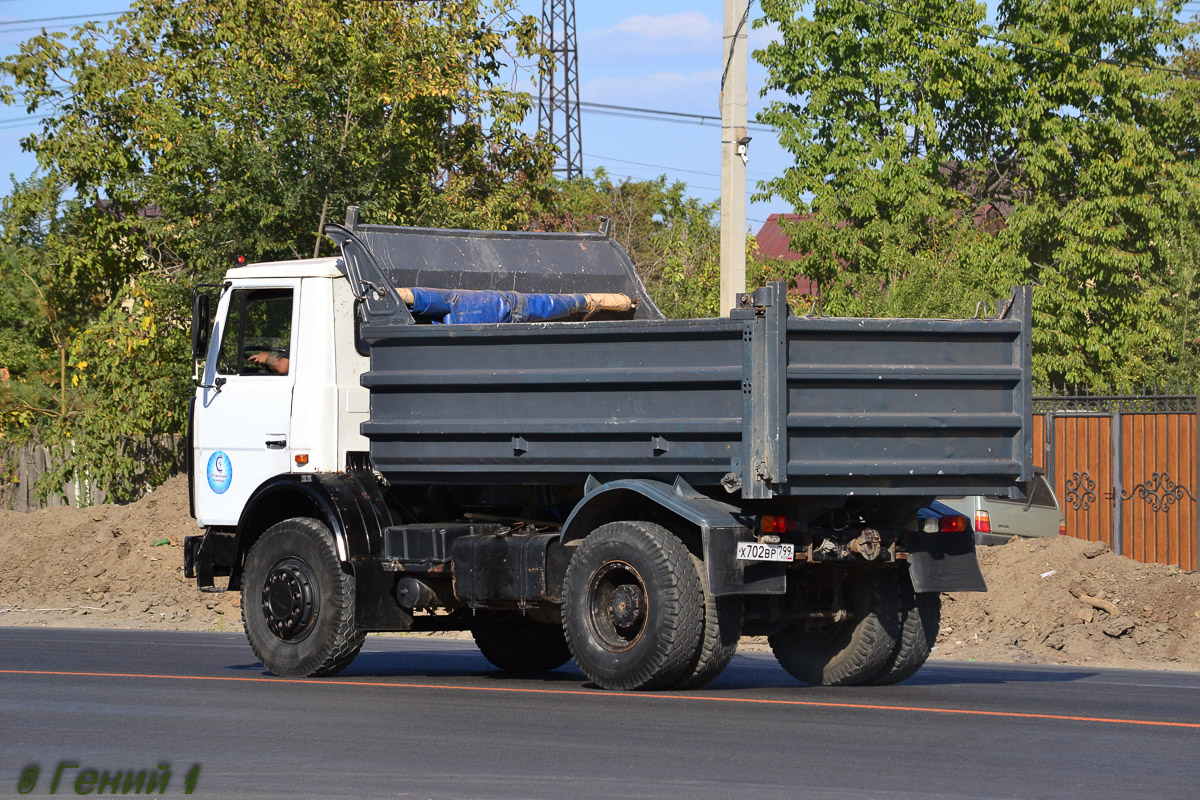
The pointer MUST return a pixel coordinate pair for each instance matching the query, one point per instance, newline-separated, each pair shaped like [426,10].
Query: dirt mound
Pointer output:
[107,566]
[1065,601]
[1058,600]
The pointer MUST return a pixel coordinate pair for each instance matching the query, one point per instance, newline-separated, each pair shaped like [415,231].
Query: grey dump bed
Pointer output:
[763,403]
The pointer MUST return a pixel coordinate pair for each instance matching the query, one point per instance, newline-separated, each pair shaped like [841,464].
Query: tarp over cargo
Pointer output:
[467,306]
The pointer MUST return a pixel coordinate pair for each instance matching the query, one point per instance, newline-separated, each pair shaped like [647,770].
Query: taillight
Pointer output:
[1062,529]
[953,524]
[983,522]
[773,523]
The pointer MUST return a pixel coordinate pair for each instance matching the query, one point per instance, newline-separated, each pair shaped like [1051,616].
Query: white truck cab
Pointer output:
[281,363]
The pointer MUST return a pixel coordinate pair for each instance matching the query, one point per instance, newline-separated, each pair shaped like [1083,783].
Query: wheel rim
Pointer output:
[289,599]
[617,606]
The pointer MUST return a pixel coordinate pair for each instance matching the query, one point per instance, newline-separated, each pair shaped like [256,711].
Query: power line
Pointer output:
[658,166]
[8,124]
[737,32]
[1056,53]
[629,174]
[654,166]
[89,17]
[37,28]
[607,109]
[25,118]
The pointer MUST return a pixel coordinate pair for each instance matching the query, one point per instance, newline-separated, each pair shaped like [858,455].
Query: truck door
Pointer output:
[243,410]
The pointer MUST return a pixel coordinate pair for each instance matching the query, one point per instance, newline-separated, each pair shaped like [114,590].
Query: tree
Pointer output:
[183,134]
[943,160]
[672,238]
[130,379]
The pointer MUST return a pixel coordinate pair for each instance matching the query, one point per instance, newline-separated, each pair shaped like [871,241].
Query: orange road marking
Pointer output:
[637,695]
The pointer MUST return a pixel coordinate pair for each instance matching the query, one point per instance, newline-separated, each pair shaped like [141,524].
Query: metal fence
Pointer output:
[1124,468]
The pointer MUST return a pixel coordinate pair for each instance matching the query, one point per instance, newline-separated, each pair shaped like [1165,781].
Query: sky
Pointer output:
[664,55]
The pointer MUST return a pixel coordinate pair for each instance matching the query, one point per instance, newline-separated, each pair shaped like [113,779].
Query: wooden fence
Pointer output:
[22,467]
[1124,469]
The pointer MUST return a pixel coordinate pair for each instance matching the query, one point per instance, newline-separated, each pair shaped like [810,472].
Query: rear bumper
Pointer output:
[991,539]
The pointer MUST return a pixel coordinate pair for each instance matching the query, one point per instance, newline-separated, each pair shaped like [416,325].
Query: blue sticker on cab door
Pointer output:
[220,472]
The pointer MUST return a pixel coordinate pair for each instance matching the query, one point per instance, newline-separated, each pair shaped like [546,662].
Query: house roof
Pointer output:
[774,243]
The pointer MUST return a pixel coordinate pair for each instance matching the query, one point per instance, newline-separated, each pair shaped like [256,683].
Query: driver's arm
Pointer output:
[272,362]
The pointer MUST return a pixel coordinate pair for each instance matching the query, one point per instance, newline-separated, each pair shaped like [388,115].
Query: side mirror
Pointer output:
[201,325]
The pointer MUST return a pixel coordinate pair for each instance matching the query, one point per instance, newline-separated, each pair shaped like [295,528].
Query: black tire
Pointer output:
[920,617]
[298,603]
[633,607]
[515,643]
[722,631]
[850,652]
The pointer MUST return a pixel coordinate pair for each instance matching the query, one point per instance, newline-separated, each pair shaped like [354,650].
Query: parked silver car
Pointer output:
[997,519]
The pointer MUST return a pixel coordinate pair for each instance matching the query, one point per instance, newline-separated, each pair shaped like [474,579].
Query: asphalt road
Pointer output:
[423,718]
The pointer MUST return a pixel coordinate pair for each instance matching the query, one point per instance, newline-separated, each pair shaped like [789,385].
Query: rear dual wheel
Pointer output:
[634,608]
[513,642]
[722,630]
[851,651]
[920,617]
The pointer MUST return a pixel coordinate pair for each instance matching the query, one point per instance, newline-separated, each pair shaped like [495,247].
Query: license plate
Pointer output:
[754,551]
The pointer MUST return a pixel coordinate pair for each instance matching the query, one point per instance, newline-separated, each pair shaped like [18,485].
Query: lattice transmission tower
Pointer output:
[558,90]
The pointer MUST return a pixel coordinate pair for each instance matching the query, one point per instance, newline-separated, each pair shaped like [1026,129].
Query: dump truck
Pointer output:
[614,487]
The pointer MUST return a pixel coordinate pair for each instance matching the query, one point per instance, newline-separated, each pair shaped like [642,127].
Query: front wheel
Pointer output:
[298,603]
[854,650]
[633,607]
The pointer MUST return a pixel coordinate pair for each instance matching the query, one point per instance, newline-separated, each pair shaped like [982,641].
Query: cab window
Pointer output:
[258,333]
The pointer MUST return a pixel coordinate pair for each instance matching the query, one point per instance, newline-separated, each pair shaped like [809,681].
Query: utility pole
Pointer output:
[733,153]
[558,92]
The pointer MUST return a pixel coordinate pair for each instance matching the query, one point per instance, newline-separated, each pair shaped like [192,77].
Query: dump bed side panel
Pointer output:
[909,406]
[555,402]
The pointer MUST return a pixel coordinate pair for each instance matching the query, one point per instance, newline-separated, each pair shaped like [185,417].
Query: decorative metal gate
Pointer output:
[1125,471]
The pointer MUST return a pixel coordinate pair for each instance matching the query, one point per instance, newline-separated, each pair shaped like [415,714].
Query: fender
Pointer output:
[721,527]
[352,504]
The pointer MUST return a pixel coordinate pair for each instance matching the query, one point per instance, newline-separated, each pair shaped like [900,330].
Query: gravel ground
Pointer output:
[1051,601]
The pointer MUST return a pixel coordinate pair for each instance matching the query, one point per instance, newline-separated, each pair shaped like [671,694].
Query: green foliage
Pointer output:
[248,124]
[1183,259]
[130,374]
[672,239]
[26,348]
[943,160]
[183,134]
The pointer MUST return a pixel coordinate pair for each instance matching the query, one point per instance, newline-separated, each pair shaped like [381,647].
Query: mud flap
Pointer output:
[208,555]
[944,562]
[728,576]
